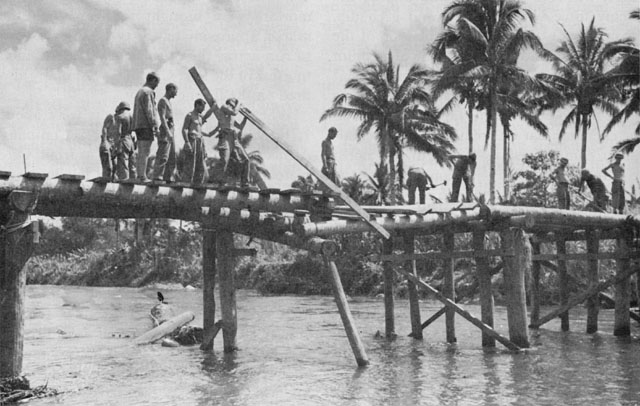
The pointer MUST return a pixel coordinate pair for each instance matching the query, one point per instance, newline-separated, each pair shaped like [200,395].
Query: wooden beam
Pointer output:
[593,304]
[297,157]
[389,305]
[209,271]
[465,314]
[576,300]
[483,275]
[584,256]
[448,285]
[442,255]
[414,303]
[228,309]
[433,318]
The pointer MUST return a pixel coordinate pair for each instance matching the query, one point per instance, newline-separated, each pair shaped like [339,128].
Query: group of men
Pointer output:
[615,171]
[127,138]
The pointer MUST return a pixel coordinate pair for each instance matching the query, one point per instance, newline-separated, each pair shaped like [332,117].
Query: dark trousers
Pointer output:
[564,199]
[195,165]
[165,164]
[107,156]
[468,183]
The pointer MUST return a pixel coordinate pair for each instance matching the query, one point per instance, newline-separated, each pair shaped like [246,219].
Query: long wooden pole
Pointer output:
[345,313]
[486,294]
[208,285]
[516,267]
[465,314]
[226,265]
[535,284]
[449,287]
[563,277]
[388,276]
[622,292]
[414,303]
[593,303]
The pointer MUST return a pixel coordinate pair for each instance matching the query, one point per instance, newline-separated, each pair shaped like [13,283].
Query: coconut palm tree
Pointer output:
[581,81]
[395,111]
[491,32]
[305,183]
[356,187]
[257,172]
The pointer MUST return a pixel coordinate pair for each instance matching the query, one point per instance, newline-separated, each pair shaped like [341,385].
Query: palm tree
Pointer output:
[257,172]
[356,187]
[395,111]
[490,32]
[628,72]
[580,80]
[305,183]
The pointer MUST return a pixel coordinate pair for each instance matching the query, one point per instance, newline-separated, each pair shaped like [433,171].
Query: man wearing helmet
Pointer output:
[125,148]
[109,140]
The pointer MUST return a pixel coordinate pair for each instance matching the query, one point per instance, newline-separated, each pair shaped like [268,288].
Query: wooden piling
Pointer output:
[414,304]
[484,283]
[226,265]
[345,313]
[514,271]
[208,284]
[388,275]
[593,304]
[449,288]
[622,292]
[535,284]
[563,278]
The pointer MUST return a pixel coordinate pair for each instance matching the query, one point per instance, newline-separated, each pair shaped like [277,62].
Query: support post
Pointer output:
[514,272]
[17,241]
[448,286]
[414,303]
[484,283]
[208,285]
[536,267]
[593,303]
[226,265]
[389,318]
[345,313]
[622,323]
[563,277]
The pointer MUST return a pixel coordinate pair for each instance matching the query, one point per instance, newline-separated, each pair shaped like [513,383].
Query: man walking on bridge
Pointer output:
[329,157]
[145,121]
[165,163]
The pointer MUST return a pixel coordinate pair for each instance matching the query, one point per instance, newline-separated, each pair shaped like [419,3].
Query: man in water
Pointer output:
[597,188]
[463,170]
[617,186]
[417,178]
[329,157]
[165,163]
[559,176]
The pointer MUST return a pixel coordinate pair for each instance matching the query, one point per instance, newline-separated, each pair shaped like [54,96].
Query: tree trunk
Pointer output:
[492,172]
[583,155]
[470,128]
[506,155]
[392,170]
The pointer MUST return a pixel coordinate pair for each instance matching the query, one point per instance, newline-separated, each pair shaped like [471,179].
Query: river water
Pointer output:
[293,351]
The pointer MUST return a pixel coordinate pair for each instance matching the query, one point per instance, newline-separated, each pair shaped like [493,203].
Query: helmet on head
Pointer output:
[564,160]
[123,106]
[233,102]
[619,155]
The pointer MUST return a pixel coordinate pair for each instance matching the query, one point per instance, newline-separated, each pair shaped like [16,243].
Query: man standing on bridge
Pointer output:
[417,178]
[145,121]
[597,188]
[463,170]
[195,165]
[108,143]
[559,176]
[617,186]
[165,164]
[329,157]
[126,166]
[228,140]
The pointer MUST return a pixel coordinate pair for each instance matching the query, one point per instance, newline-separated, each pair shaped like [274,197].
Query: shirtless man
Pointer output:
[418,178]
[329,157]
[165,163]
[597,188]
[228,143]
[562,184]
[194,171]
[463,170]
[617,186]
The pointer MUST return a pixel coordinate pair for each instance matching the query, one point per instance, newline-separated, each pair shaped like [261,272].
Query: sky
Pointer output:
[65,65]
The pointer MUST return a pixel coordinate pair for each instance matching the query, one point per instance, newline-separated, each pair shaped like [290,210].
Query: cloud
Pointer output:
[125,37]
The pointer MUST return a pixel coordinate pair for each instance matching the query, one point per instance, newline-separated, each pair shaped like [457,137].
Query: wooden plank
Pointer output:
[244,252]
[290,151]
[66,176]
[465,314]
[585,256]
[442,255]
[35,175]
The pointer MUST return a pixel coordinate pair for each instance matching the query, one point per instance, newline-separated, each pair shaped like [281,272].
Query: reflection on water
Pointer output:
[293,351]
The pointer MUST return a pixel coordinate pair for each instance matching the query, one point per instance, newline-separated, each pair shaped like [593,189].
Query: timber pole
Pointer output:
[593,303]
[622,292]
[17,240]
[388,276]
[486,294]
[563,277]
[516,267]
[208,285]
[448,286]
[414,304]
[535,283]
[343,307]
[226,264]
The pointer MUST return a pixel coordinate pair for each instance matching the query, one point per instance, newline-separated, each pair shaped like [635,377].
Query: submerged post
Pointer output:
[592,302]
[622,323]
[449,287]
[208,285]
[535,284]
[563,276]
[226,263]
[388,275]
[484,282]
[343,307]
[517,265]
[414,304]
[17,240]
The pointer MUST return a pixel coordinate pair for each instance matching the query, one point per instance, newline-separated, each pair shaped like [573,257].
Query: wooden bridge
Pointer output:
[307,221]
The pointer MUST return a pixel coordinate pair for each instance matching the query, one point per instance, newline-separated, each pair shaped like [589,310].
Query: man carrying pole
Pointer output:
[228,143]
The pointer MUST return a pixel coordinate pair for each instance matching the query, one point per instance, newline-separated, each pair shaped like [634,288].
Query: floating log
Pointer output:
[465,314]
[583,296]
[165,328]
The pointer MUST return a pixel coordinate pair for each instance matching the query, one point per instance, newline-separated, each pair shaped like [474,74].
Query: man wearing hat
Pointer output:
[559,176]
[165,163]
[145,121]
[125,148]
[617,186]
[329,157]
[228,140]
[108,142]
